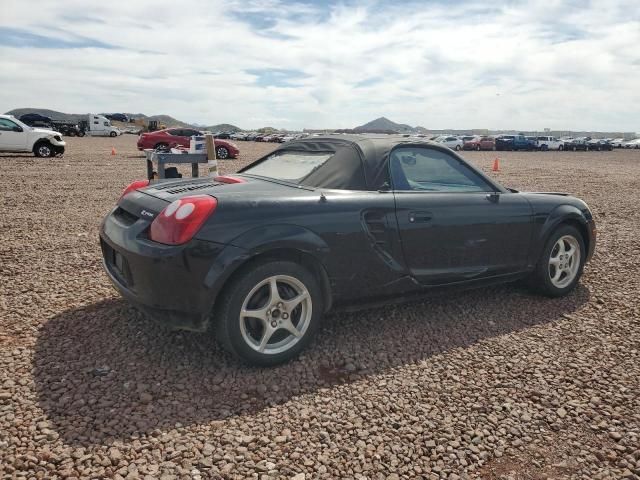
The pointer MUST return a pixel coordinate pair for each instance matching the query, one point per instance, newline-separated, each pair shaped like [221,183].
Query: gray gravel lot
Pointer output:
[491,383]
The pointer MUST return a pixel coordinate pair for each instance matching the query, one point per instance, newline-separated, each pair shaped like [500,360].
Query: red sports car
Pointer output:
[171,137]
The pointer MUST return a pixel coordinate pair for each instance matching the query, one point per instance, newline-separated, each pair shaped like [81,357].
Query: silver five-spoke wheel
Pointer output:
[564,261]
[275,314]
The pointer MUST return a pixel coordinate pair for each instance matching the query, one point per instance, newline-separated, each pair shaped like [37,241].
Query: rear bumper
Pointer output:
[175,285]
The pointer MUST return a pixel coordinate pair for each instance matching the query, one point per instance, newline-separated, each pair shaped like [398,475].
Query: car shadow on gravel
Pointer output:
[104,371]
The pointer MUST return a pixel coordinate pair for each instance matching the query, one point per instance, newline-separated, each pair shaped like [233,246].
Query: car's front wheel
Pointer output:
[560,266]
[269,313]
[113,134]
[222,153]
[457,147]
[43,149]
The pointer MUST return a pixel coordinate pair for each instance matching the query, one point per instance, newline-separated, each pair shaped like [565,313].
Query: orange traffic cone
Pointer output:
[496,165]
[113,151]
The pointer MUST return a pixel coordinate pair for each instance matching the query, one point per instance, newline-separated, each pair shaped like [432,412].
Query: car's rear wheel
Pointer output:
[560,266]
[222,153]
[269,313]
[43,149]
[457,147]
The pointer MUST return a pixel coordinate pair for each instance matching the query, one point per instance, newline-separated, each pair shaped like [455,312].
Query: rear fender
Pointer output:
[258,241]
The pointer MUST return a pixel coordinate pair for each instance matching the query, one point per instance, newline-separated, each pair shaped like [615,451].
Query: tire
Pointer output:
[222,153]
[478,148]
[544,148]
[113,134]
[457,148]
[543,277]
[43,149]
[575,149]
[161,146]
[252,289]
[560,148]
[81,133]
[72,133]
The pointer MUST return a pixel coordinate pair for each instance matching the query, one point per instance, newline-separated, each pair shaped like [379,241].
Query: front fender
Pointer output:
[565,213]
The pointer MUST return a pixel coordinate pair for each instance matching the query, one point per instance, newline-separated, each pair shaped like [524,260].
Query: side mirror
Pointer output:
[17,128]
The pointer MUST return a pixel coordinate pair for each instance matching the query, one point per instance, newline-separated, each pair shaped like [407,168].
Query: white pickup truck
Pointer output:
[549,143]
[16,136]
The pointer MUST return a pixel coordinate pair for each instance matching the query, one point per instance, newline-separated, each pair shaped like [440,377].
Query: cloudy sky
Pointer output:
[473,64]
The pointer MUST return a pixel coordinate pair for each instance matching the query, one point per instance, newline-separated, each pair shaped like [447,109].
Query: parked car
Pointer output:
[514,142]
[632,143]
[118,117]
[17,136]
[36,120]
[549,143]
[451,141]
[599,144]
[260,256]
[578,144]
[483,142]
[169,137]
[618,142]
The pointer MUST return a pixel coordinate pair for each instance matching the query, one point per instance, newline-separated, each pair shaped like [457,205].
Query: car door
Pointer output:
[454,225]
[180,136]
[10,139]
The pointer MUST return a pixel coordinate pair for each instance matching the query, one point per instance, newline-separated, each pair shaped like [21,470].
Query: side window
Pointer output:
[6,125]
[429,170]
[176,132]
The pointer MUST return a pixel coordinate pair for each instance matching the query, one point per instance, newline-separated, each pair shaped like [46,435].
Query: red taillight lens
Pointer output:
[180,220]
[135,186]
[229,179]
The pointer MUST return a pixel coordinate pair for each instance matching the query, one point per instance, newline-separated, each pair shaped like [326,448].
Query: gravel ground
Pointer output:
[492,383]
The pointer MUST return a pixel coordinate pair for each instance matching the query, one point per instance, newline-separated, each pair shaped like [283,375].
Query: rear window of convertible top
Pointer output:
[289,166]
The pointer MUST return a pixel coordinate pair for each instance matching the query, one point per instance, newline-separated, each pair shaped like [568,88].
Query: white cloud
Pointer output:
[519,65]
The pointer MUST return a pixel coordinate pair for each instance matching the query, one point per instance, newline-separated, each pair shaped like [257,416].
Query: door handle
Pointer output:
[420,217]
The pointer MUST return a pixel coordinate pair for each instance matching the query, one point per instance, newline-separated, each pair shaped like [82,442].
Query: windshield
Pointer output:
[289,166]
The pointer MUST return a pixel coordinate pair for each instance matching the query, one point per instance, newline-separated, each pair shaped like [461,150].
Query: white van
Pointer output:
[100,126]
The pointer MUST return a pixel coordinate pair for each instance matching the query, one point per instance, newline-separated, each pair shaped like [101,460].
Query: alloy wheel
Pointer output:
[44,151]
[564,261]
[275,314]
[222,153]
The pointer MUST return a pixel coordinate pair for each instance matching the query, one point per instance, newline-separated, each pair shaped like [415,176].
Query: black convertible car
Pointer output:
[330,222]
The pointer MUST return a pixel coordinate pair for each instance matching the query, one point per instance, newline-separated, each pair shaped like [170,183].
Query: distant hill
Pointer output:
[162,119]
[223,127]
[383,124]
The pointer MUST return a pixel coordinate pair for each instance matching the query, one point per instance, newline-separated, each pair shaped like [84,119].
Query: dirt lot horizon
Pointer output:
[492,383]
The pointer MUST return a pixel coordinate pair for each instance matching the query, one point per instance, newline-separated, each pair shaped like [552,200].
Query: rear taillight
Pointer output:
[180,220]
[135,186]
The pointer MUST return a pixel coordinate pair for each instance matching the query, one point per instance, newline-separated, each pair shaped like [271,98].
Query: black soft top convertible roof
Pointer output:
[358,161]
